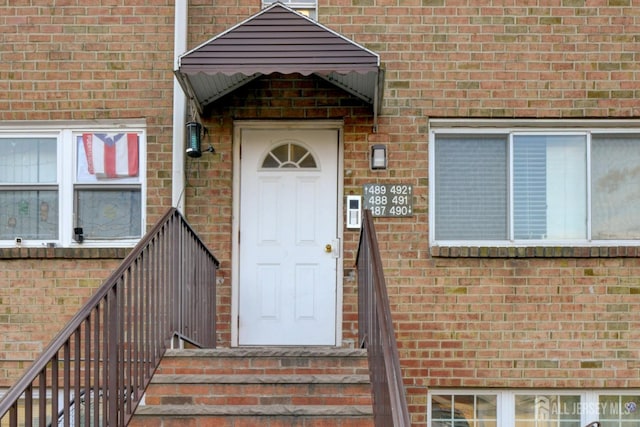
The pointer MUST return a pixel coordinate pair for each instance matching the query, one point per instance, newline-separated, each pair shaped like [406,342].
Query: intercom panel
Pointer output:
[354,211]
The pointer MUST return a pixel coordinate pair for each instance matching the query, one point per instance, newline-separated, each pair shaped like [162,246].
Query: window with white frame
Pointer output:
[308,8]
[71,185]
[535,187]
[533,408]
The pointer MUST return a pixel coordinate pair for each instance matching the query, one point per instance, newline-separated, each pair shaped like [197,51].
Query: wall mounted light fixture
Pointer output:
[194,138]
[378,156]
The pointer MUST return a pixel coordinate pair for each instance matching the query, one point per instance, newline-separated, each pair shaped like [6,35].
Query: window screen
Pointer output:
[471,187]
[615,177]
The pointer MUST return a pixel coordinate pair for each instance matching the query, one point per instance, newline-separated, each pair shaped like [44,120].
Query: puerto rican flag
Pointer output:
[111,155]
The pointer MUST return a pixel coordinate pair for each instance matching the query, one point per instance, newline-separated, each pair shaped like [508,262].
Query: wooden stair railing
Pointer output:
[376,333]
[94,372]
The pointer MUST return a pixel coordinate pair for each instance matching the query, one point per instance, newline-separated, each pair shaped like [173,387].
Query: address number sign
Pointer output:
[388,199]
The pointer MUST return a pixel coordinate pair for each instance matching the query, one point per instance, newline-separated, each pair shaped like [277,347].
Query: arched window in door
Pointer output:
[289,155]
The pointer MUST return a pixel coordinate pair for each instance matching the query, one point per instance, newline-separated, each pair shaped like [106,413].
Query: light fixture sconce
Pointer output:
[378,156]
[194,137]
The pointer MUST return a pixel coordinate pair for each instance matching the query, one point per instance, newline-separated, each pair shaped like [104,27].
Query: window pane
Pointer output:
[28,160]
[108,157]
[441,408]
[570,408]
[545,410]
[619,410]
[294,2]
[305,7]
[549,186]
[29,214]
[615,174]
[486,408]
[289,156]
[629,411]
[463,410]
[471,188]
[109,214]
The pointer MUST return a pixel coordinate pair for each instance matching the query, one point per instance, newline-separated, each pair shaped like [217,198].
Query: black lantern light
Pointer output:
[194,133]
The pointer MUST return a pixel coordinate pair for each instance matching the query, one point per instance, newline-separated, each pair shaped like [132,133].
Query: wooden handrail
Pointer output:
[96,369]
[376,333]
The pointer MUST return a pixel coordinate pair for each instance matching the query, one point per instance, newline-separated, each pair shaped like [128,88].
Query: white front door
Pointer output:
[288,249]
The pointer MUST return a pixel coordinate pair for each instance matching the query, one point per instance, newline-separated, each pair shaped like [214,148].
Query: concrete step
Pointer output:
[309,387]
[296,361]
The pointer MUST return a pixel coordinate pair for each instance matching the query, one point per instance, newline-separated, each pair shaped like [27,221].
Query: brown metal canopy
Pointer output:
[278,40]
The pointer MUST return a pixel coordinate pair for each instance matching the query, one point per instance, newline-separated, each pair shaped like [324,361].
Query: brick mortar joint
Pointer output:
[64,253]
[534,252]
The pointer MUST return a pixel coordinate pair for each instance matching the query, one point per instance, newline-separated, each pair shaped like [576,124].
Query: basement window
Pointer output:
[533,408]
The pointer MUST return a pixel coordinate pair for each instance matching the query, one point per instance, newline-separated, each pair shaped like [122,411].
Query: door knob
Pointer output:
[328,248]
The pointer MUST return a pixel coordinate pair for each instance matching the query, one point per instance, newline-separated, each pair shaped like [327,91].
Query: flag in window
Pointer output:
[111,155]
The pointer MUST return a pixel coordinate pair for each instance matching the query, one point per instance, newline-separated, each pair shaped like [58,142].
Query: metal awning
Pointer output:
[278,40]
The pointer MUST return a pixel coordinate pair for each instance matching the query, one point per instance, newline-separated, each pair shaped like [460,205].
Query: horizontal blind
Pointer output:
[529,187]
[470,187]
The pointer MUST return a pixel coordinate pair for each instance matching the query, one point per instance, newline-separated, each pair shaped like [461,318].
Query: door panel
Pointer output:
[288,215]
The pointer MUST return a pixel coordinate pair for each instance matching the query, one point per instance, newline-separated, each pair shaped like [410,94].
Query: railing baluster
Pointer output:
[42,397]
[122,393]
[87,373]
[77,360]
[138,370]
[164,284]
[110,378]
[128,358]
[13,415]
[28,406]
[142,294]
[96,366]
[177,291]
[148,338]
[66,384]
[54,387]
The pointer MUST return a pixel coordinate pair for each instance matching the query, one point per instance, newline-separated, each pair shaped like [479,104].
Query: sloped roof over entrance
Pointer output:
[278,40]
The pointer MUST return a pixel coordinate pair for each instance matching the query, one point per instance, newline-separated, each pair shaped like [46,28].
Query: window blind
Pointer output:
[529,187]
[471,187]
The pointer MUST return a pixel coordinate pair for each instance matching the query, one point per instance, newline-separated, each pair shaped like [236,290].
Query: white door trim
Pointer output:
[235,249]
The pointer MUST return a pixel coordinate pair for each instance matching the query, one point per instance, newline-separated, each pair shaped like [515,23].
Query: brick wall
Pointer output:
[507,320]
[75,60]
[499,321]
[462,58]
[511,323]
[38,296]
